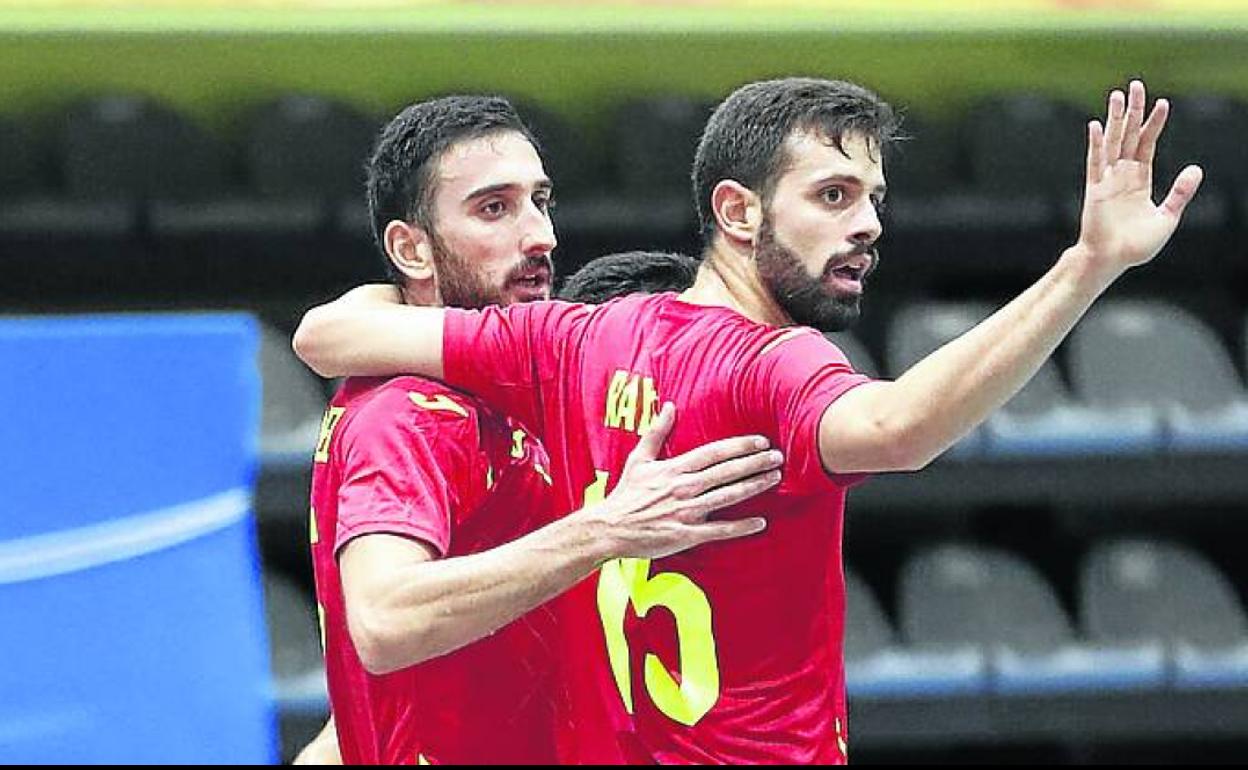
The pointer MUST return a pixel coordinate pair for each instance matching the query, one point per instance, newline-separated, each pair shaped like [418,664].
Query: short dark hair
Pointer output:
[630,272]
[400,171]
[744,138]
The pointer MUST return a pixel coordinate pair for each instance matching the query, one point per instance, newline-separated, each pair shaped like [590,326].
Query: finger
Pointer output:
[729,530]
[728,496]
[733,470]
[717,452]
[656,436]
[1115,125]
[1152,131]
[1136,101]
[1096,152]
[1183,190]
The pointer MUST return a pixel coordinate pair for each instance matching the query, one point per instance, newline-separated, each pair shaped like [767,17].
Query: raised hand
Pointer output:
[1120,226]
[660,507]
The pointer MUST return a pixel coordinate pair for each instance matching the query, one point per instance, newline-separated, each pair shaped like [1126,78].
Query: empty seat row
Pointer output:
[1144,376]
[302,145]
[974,619]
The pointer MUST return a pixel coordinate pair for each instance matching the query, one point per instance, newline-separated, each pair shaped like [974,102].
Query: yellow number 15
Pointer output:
[628,581]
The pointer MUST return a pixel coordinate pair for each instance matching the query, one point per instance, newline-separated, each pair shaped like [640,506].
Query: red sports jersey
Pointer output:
[740,665]
[412,457]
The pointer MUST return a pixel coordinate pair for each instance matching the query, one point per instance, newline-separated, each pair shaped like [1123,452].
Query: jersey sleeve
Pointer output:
[396,479]
[793,379]
[508,355]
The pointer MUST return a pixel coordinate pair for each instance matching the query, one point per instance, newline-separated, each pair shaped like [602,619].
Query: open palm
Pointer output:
[1120,226]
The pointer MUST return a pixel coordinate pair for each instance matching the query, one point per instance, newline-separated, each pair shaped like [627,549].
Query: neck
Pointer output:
[421,293]
[728,277]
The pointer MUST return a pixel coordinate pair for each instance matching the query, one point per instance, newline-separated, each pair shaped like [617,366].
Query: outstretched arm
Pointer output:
[404,606]
[904,425]
[369,331]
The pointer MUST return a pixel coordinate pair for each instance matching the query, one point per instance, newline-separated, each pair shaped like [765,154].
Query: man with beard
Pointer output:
[788,179]
[434,533]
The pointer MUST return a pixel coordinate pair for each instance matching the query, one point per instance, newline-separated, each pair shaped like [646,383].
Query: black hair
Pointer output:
[744,138]
[616,275]
[401,170]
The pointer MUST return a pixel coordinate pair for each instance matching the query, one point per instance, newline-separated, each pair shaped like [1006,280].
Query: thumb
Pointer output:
[1183,190]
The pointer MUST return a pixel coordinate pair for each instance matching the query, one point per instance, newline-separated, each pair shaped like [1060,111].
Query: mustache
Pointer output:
[530,264]
[862,248]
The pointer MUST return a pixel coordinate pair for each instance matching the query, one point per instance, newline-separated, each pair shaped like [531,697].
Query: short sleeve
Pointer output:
[394,481]
[505,355]
[794,378]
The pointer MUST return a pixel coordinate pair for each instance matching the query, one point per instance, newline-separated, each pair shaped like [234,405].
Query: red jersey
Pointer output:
[744,664]
[412,457]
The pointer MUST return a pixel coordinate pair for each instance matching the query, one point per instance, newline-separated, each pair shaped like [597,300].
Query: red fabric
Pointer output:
[776,600]
[412,457]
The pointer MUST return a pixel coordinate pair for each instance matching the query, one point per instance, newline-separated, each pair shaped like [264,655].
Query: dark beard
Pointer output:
[800,295]
[459,285]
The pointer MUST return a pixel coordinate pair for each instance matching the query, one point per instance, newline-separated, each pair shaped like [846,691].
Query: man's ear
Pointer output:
[738,211]
[410,249]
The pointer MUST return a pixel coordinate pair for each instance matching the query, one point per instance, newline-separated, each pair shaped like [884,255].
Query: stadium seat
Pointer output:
[21,172]
[926,162]
[919,329]
[653,142]
[109,154]
[294,644]
[1044,420]
[302,146]
[1026,144]
[1137,589]
[302,155]
[1151,356]
[570,161]
[292,404]
[967,595]
[1005,166]
[856,352]
[876,666]
[1204,129]
[134,148]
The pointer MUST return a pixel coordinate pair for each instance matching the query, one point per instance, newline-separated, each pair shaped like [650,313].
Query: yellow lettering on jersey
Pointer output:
[632,402]
[626,410]
[622,582]
[649,405]
[542,472]
[517,444]
[315,536]
[420,759]
[618,381]
[439,403]
[840,740]
[328,423]
[489,477]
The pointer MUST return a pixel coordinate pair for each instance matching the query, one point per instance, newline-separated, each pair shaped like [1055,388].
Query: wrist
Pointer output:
[1087,270]
[587,534]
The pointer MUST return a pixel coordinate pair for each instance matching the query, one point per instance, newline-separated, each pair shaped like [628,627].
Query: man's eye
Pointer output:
[881,206]
[494,208]
[834,195]
[544,203]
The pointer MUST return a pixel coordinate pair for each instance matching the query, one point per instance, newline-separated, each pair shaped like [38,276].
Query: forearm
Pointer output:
[947,394]
[377,339]
[432,608]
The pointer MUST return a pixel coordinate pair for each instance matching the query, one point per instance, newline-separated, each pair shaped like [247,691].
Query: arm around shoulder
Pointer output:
[370,332]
